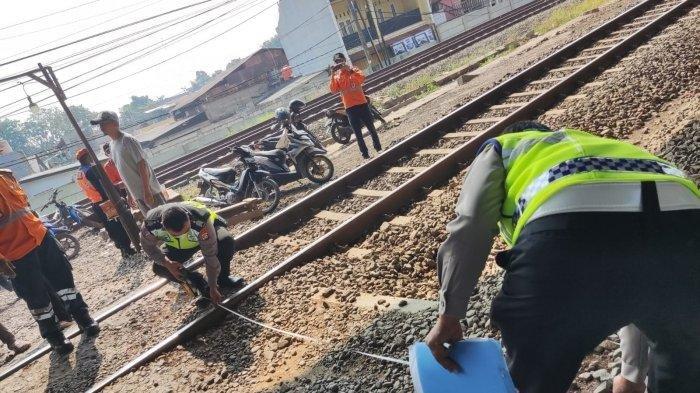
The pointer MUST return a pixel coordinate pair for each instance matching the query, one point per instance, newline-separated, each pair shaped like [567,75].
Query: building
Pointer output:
[236,89]
[312,30]
[391,28]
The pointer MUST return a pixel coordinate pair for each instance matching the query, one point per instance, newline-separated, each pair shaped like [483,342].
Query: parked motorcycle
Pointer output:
[219,187]
[69,216]
[338,124]
[293,117]
[66,242]
[308,158]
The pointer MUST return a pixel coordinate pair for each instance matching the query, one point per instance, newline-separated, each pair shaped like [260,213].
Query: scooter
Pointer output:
[66,242]
[218,186]
[309,160]
[69,216]
[338,124]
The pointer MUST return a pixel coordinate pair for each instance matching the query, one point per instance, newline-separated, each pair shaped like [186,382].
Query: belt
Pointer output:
[14,215]
[616,197]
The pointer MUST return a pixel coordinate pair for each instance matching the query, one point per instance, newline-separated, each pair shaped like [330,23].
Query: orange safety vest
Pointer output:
[112,172]
[349,85]
[90,191]
[20,230]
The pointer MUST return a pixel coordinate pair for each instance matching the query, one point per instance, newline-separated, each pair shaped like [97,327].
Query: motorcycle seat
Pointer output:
[275,153]
[221,173]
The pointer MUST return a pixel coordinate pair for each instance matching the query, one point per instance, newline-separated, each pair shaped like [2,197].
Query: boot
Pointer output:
[59,343]
[19,346]
[230,282]
[90,328]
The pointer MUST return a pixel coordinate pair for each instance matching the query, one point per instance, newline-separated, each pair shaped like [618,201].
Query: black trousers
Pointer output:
[46,269]
[573,279]
[226,249]
[115,229]
[358,116]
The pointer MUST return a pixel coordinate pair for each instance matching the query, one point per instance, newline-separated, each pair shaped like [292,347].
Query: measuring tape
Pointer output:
[313,340]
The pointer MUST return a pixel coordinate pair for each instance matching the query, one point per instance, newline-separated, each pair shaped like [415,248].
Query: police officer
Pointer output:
[186,228]
[603,234]
[89,181]
[32,256]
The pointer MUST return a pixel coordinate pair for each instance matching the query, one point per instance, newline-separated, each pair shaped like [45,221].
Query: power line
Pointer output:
[104,32]
[162,44]
[47,15]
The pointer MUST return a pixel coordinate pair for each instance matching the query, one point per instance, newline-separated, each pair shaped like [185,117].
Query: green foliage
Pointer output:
[134,112]
[47,129]
[565,14]
[273,42]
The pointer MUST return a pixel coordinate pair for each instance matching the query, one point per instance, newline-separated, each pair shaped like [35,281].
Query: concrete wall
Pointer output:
[469,21]
[240,101]
[320,32]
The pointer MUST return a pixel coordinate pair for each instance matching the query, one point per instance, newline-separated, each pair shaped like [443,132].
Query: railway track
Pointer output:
[343,211]
[181,170]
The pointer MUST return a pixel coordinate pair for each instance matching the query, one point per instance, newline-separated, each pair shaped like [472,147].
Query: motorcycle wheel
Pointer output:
[318,169]
[68,244]
[341,137]
[269,192]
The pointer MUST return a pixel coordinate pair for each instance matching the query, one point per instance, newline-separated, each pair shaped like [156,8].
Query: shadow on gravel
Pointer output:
[227,343]
[78,377]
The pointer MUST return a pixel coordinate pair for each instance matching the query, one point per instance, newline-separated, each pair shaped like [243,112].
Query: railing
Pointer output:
[387,27]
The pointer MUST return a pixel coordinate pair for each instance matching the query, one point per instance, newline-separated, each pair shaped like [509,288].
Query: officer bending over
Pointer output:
[185,228]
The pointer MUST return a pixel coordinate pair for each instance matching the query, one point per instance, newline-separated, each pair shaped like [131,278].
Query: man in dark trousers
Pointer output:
[31,256]
[603,234]
[347,81]
[185,228]
[89,181]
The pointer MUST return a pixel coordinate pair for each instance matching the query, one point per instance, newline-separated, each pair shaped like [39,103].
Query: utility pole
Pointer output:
[385,47]
[360,33]
[125,216]
[379,56]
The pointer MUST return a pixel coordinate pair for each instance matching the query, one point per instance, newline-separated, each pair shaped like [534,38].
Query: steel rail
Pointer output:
[172,172]
[443,169]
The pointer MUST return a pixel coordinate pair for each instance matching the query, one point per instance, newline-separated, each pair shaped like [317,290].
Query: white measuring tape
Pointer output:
[313,340]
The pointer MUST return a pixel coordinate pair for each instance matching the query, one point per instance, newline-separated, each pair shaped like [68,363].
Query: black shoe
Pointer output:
[127,252]
[60,344]
[202,303]
[378,148]
[91,329]
[366,156]
[230,282]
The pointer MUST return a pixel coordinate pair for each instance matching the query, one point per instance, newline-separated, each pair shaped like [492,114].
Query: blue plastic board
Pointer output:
[483,369]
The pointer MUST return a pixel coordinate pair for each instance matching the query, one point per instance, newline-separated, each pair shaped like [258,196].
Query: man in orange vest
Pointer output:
[31,257]
[347,81]
[89,181]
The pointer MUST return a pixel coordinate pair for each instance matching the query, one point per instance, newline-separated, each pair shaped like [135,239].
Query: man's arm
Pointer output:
[462,257]
[358,75]
[139,156]
[150,245]
[209,246]
[334,86]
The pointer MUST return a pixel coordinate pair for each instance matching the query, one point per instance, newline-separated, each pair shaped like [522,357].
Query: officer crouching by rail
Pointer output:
[185,228]
[603,234]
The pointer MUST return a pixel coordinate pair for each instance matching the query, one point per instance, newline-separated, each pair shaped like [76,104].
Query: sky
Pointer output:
[243,24]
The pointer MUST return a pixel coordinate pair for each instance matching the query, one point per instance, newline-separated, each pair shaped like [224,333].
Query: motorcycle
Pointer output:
[218,186]
[69,216]
[293,117]
[66,242]
[338,124]
[309,159]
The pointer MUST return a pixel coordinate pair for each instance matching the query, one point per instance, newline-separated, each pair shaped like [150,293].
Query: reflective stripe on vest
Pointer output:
[190,239]
[540,164]
[90,192]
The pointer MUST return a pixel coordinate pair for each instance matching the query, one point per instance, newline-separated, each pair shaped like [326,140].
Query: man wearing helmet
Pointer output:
[347,81]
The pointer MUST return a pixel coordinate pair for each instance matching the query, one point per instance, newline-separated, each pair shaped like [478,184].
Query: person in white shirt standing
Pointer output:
[130,160]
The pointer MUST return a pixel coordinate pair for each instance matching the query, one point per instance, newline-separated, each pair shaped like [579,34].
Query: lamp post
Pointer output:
[48,79]
[33,107]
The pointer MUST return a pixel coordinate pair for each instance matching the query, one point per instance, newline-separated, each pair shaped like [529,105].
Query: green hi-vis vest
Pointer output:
[199,216]
[540,164]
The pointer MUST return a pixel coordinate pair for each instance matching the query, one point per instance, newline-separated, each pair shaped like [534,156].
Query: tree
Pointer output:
[135,111]
[273,42]
[11,131]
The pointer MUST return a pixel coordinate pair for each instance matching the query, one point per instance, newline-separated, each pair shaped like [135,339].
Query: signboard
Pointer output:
[410,43]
